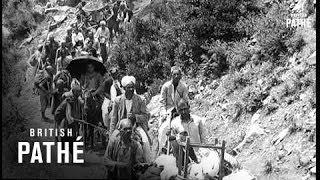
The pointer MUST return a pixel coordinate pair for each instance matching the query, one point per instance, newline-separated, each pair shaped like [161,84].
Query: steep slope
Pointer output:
[288,117]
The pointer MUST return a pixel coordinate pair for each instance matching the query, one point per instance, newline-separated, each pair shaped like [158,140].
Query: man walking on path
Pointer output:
[122,152]
[69,110]
[116,89]
[51,50]
[172,92]
[103,36]
[44,86]
[131,106]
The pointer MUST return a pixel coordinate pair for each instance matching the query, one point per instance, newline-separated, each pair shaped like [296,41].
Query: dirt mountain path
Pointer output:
[29,106]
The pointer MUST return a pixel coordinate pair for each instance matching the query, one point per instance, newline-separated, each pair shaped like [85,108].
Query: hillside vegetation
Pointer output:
[254,77]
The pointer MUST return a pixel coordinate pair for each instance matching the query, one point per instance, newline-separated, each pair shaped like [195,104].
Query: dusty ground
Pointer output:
[28,105]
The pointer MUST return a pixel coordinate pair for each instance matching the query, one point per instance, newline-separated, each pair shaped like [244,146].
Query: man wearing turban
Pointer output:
[130,105]
[102,36]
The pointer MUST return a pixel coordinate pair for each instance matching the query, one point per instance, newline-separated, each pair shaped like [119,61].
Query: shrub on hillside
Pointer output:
[309,79]
[187,34]
[294,44]
[214,61]
[137,53]
[231,82]
[10,57]
[278,92]
[238,55]
[270,31]
[250,98]
[215,19]
[268,82]
[291,81]
[18,16]
[13,124]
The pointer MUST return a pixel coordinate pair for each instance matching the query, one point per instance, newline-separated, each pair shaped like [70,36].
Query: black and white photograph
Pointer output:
[159,89]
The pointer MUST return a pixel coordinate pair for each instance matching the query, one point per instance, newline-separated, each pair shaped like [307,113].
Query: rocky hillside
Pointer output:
[266,113]
[277,139]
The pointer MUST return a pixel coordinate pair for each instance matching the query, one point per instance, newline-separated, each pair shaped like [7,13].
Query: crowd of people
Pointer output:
[115,104]
[91,34]
[123,113]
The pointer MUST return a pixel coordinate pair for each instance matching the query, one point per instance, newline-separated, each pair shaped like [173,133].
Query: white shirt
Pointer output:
[128,105]
[100,32]
[113,91]
[77,37]
[192,127]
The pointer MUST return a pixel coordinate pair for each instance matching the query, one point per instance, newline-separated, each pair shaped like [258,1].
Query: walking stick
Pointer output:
[56,63]
[84,129]
[95,126]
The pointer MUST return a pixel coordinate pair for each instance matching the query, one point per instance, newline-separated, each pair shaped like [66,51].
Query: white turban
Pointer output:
[176,68]
[126,80]
[103,23]
[75,84]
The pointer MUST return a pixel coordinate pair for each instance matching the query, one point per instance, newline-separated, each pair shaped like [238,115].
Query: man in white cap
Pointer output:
[130,105]
[102,36]
[61,55]
[172,92]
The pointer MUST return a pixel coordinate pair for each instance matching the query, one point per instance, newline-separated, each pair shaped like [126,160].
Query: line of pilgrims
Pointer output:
[109,101]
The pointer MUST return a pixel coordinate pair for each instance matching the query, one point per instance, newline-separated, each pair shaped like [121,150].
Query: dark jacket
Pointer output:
[119,112]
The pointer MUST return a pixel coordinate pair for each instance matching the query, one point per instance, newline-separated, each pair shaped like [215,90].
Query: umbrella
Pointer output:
[78,65]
